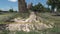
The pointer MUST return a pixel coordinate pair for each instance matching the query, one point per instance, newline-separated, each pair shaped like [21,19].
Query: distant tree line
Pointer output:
[10,10]
[39,8]
[55,6]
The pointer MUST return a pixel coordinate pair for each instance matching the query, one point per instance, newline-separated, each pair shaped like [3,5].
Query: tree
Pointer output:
[39,7]
[11,10]
[54,4]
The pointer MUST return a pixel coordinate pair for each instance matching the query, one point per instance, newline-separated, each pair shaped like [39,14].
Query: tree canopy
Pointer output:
[39,7]
[54,4]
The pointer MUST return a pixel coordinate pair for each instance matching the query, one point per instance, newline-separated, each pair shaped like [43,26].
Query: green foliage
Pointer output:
[54,4]
[11,10]
[58,10]
[39,8]
[4,32]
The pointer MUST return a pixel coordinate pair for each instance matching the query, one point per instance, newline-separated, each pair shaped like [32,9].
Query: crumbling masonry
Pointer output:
[22,7]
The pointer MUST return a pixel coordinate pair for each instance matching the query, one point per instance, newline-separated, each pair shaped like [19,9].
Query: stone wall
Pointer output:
[22,7]
[29,6]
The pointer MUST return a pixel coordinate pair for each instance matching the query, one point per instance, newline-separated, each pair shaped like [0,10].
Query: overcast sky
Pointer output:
[7,4]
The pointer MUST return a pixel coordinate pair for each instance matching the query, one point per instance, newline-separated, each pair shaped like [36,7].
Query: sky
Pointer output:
[7,4]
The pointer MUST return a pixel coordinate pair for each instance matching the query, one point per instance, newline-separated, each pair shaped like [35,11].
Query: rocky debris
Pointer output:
[32,18]
[28,27]
[19,27]
[29,24]
[3,26]
[19,20]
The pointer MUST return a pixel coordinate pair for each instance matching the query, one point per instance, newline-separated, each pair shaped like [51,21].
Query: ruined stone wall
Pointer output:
[29,6]
[22,7]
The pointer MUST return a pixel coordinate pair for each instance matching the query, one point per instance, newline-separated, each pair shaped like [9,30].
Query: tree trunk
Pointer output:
[52,8]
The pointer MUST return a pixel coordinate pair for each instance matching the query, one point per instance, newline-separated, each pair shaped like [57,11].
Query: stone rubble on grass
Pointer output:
[19,27]
[31,18]
[28,27]
[18,20]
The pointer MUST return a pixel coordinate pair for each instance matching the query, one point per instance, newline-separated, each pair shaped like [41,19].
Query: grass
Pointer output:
[8,16]
[52,19]
[46,17]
